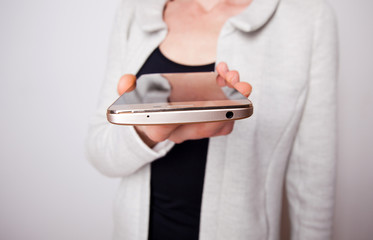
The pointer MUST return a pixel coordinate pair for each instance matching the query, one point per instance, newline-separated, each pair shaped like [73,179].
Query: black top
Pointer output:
[176,179]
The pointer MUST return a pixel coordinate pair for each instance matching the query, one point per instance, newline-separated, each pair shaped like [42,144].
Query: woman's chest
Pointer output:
[193,33]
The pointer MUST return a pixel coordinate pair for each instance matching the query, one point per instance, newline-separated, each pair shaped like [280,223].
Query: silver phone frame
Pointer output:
[180,115]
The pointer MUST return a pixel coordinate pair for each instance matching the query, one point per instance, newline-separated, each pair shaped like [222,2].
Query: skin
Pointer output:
[187,21]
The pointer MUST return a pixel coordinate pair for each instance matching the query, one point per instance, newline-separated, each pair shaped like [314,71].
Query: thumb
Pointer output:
[126,83]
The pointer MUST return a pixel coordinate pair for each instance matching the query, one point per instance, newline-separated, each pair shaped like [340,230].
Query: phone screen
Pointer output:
[163,92]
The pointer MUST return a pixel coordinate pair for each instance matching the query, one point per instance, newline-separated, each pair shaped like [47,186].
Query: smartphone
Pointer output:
[179,98]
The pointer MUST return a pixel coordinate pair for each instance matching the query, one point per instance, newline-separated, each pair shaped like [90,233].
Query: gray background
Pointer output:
[52,62]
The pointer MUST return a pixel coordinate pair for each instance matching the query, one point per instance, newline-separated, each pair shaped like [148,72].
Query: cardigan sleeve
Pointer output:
[311,172]
[114,150]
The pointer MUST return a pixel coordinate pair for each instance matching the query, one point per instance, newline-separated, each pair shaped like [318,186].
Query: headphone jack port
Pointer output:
[229,115]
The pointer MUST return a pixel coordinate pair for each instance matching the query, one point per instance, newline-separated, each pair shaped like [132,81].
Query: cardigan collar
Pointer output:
[149,14]
[255,15]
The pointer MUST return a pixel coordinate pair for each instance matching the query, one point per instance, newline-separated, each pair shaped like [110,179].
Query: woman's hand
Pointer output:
[151,135]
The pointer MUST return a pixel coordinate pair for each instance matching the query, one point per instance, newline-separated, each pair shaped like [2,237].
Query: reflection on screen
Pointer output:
[193,90]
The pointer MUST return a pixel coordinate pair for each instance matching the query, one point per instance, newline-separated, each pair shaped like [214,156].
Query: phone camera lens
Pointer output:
[229,115]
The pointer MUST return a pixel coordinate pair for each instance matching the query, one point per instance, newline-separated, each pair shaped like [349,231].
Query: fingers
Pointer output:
[159,133]
[222,69]
[200,130]
[126,83]
[232,79]
[244,88]
[180,133]
[226,77]
[152,135]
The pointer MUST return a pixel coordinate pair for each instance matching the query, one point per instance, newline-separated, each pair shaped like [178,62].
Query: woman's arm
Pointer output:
[117,151]
[311,172]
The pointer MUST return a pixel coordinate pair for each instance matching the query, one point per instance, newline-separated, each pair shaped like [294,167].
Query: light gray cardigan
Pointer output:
[287,50]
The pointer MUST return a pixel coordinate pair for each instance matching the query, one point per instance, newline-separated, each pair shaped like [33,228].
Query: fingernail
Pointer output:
[234,79]
[223,67]
[247,94]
